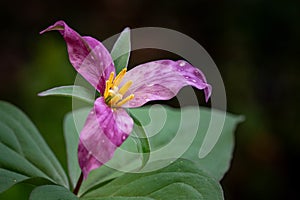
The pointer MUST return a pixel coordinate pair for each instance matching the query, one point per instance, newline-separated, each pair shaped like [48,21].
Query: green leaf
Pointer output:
[24,153]
[180,180]
[52,192]
[121,50]
[98,178]
[161,133]
[217,161]
[75,91]
[175,133]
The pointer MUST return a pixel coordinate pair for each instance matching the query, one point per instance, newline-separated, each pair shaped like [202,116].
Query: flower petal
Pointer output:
[161,80]
[88,56]
[105,129]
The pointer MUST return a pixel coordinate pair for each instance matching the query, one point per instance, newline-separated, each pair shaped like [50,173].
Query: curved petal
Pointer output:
[88,56]
[161,80]
[105,129]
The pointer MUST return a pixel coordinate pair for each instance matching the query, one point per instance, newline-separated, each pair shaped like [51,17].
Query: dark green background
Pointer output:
[255,45]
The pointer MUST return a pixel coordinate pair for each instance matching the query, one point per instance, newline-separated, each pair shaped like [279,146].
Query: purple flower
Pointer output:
[108,124]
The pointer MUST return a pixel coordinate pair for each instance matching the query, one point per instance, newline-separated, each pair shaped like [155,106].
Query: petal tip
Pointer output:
[41,94]
[127,29]
[59,26]
[207,92]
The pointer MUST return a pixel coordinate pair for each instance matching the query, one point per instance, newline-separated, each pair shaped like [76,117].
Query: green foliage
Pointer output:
[75,91]
[176,134]
[24,153]
[217,162]
[180,180]
[52,192]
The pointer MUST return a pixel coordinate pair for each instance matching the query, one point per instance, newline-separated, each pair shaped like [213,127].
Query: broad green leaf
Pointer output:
[75,91]
[52,192]
[121,50]
[217,162]
[180,180]
[98,178]
[176,126]
[175,133]
[24,153]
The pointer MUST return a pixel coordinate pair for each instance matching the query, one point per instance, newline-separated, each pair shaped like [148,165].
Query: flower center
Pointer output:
[113,95]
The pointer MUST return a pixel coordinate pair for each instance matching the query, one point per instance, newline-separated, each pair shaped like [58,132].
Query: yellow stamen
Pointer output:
[130,97]
[111,76]
[106,89]
[108,84]
[115,99]
[119,77]
[125,87]
[112,94]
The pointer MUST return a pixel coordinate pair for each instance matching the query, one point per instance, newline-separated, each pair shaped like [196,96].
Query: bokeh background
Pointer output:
[254,43]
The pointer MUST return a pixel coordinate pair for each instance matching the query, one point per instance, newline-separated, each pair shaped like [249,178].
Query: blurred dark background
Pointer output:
[255,45]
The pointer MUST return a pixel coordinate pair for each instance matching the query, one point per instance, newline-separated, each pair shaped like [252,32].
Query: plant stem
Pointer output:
[79,182]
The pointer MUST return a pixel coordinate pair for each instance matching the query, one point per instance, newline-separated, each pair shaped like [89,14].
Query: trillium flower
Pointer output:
[108,125]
